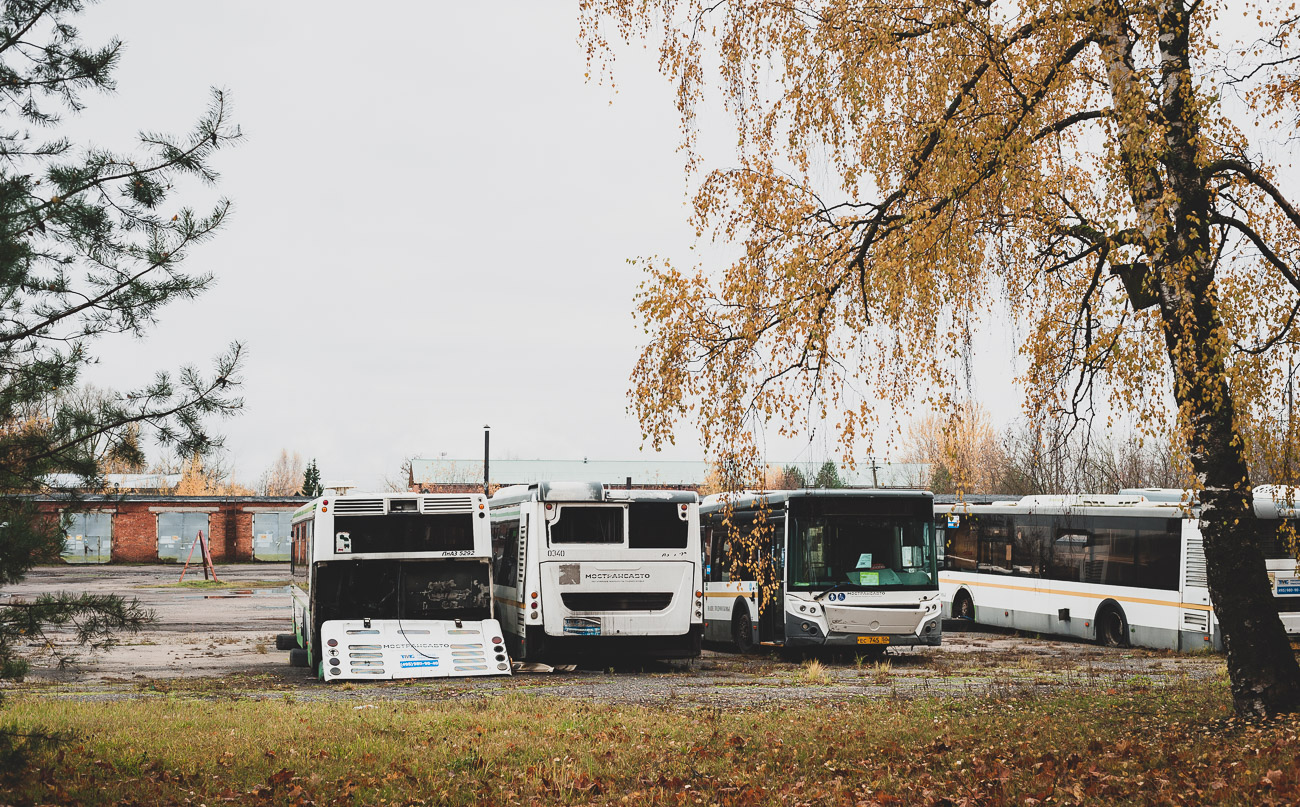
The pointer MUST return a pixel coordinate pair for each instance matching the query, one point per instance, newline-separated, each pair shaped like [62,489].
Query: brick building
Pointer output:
[143,528]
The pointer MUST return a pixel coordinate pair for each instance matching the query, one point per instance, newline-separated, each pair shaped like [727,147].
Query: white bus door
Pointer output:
[509,554]
[771,604]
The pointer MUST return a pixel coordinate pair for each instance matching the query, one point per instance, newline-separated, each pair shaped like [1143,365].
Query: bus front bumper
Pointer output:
[925,629]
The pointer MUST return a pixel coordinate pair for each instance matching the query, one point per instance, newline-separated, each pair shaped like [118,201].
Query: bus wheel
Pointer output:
[286,641]
[963,607]
[298,657]
[742,632]
[1112,626]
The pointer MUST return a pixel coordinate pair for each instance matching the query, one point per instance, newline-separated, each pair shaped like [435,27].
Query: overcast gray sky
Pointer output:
[433,212]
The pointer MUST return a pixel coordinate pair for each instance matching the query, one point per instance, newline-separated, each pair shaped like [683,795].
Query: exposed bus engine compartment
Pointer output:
[407,618]
[437,588]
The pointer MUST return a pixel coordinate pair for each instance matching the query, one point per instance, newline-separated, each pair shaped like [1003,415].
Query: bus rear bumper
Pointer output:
[568,647]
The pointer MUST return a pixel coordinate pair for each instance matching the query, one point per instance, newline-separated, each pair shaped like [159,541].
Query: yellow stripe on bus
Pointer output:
[504,601]
[1187,605]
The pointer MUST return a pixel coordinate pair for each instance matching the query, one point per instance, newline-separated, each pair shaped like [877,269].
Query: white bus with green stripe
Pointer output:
[394,585]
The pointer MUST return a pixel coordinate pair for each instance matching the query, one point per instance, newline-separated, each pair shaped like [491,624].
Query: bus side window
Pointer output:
[720,558]
[1157,556]
[994,545]
[1029,550]
[1071,552]
[299,555]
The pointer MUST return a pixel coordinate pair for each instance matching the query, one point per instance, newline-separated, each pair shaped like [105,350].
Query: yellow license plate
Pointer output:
[873,640]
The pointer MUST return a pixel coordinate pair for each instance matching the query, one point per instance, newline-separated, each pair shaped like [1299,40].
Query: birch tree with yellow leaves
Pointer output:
[903,172]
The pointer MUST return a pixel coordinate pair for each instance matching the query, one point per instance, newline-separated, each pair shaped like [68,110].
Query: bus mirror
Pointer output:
[342,543]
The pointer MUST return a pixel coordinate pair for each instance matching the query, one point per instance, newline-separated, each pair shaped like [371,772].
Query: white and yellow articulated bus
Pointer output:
[394,585]
[584,570]
[821,568]
[1123,569]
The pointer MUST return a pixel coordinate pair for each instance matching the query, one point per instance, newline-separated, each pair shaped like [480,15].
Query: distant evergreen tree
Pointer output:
[941,479]
[828,476]
[794,478]
[311,487]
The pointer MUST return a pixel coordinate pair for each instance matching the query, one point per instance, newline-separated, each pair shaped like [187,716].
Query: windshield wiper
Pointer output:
[835,587]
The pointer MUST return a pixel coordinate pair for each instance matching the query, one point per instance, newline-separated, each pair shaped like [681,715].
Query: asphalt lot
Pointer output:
[221,643]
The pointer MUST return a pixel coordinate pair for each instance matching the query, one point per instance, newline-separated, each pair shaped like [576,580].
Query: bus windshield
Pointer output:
[861,552]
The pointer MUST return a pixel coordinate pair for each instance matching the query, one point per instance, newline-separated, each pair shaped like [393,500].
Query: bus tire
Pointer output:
[742,630]
[1112,626]
[286,641]
[298,658]
[963,607]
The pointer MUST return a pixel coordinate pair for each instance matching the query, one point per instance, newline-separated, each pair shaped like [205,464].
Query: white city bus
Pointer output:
[583,569]
[846,568]
[1118,569]
[394,585]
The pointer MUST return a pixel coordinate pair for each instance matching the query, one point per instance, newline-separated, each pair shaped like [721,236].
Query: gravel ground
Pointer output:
[221,644]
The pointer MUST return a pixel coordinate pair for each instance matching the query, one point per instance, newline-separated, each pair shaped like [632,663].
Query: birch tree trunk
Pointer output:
[1174,210]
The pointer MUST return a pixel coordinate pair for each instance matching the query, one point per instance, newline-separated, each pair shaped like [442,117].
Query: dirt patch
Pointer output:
[219,643]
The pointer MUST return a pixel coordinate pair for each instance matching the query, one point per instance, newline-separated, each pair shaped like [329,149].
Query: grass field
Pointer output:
[1135,745]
